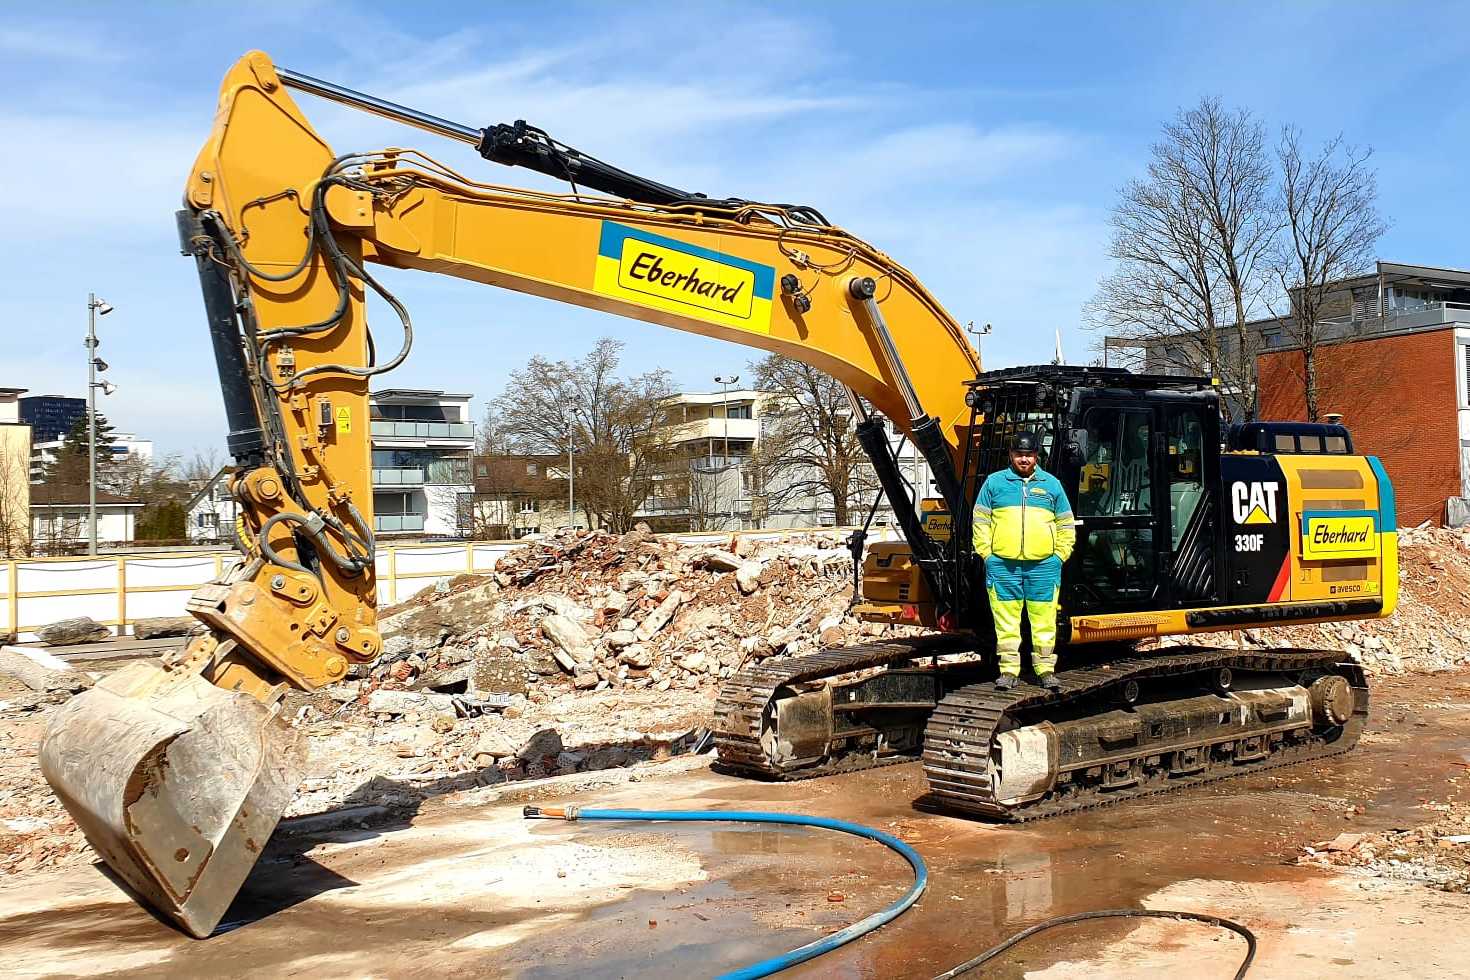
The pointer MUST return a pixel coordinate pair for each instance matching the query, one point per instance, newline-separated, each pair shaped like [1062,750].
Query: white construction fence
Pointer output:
[117,590]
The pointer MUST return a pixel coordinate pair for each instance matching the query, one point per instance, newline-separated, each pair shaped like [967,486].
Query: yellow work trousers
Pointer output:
[1034,586]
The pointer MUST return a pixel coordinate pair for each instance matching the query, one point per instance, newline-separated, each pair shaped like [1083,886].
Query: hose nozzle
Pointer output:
[568,812]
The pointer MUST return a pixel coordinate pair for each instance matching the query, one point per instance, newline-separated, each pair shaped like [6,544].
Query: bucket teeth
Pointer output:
[176,783]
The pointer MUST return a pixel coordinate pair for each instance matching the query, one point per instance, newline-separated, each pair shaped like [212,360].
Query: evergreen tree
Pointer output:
[69,468]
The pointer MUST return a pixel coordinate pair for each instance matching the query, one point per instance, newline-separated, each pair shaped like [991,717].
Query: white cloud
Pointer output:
[65,42]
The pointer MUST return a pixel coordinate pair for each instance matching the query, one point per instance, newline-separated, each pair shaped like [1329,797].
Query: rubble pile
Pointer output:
[598,611]
[1429,631]
[1437,855]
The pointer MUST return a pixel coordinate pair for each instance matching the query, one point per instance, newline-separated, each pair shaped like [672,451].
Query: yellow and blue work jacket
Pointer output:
[1023,518]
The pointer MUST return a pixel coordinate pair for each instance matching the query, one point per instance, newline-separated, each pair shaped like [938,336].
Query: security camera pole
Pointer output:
[94,307]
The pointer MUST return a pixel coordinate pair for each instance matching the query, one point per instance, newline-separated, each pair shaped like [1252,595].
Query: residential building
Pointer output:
[125,446]
[1394,298]
[15,484]
[712,484]
[422,441]
[1399,381]
[60,518]
[519,494]
[212,511]
[51,416]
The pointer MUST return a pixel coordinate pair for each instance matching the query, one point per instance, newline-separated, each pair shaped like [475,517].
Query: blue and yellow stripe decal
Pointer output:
[689,280]
[1388,536]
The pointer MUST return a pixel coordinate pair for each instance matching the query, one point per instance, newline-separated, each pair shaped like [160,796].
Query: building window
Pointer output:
[739,412]
[531,469]
[209,519]
[530,506]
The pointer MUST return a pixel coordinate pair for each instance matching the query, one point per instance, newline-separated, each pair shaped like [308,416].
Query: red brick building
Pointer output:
[1402,396]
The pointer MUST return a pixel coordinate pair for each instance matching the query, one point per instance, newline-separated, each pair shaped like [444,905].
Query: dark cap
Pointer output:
[1024,442]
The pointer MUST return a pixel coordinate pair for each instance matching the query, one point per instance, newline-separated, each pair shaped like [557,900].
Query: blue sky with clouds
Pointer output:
[979,144]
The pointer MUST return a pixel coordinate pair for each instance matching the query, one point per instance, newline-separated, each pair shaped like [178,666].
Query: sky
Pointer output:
[980,145]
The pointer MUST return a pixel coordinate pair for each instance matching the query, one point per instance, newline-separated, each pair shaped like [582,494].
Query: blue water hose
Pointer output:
[802,953]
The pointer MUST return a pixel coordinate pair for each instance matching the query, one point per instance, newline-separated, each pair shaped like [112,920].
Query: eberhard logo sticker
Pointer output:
[681,278]
[1339,534]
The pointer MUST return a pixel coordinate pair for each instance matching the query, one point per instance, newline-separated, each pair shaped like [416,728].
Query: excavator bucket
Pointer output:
[176,783]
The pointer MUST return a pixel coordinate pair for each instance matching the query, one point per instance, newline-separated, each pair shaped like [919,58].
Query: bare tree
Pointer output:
[1190,241]
[1329,205]
[15,511]
[612,423]
[809,447]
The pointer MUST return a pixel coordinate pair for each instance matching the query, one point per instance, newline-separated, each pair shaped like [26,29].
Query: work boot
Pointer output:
[1049,681]
[1006,682]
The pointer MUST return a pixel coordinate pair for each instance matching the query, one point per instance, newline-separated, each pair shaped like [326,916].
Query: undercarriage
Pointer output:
[1115,731]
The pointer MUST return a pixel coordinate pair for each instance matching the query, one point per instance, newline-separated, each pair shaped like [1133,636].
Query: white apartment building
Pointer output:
[712,487]
[126,446]
[422,444]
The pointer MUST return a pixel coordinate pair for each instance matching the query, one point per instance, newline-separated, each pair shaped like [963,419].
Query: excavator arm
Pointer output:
[178,772]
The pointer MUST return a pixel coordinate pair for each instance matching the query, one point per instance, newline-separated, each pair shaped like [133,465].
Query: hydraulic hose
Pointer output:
[802,953]
[1062,920]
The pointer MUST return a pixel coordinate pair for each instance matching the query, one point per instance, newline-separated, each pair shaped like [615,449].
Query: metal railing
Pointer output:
[409,429]
[716,464]
[398,476]
[388,523]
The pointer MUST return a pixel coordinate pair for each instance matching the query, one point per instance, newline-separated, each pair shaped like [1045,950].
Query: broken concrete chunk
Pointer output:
[40,671]
[585,680]
[748,577]
[618,639]
[154,627]
[406,702]
[554,603]
[716,561]
[637,656]
[570,639]
[545,742]
[81,629]
[628,581]
[493,744]
[660,617]
[343,693]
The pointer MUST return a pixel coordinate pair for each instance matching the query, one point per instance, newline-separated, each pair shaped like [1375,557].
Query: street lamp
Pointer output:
[724,384]
[571,483]
[95,308]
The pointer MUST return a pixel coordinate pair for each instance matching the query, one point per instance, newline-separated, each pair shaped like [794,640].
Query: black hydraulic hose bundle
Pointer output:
[1062,920]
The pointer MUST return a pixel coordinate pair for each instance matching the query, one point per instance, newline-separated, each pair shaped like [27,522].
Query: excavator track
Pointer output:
[960,750]
[746,702]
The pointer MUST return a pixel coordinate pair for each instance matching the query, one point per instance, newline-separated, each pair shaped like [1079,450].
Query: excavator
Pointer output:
[179,770]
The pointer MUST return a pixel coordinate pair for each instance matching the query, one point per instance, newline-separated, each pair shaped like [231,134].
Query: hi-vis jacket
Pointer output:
[1027,519]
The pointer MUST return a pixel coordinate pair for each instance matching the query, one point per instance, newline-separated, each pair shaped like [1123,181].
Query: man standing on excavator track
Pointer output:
[1024,530]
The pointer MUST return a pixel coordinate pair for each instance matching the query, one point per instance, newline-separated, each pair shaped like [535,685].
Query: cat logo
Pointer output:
[1254,503]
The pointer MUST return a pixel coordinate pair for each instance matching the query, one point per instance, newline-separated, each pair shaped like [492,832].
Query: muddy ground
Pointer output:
[465,887]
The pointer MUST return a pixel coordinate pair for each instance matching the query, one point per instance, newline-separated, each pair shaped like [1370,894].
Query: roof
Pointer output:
[424,393]
[715,397]
[13,391]
[71,494]
[208,485]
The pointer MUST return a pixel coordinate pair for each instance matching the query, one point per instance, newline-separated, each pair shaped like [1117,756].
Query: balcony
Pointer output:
[390,523]
[717,464]
[665,505]
[398,476]
[1428,315]
[409,429]
[747,430]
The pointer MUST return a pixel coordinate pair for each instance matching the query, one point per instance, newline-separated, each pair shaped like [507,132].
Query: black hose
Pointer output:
[1062,920]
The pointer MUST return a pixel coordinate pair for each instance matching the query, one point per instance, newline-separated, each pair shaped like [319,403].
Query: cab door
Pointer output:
[1115,566]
